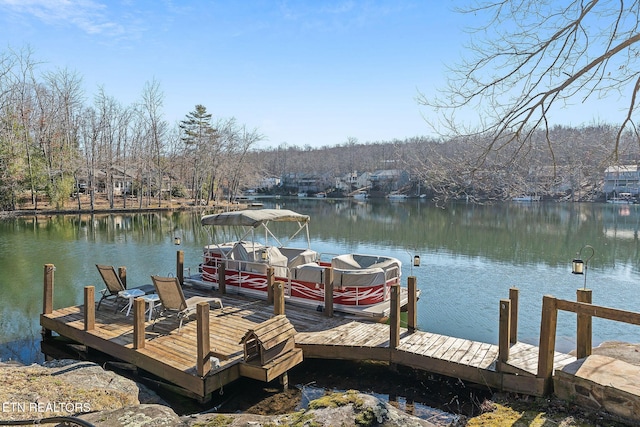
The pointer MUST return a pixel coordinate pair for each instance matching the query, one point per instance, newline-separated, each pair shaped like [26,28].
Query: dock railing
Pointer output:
[508,324]
[585,311]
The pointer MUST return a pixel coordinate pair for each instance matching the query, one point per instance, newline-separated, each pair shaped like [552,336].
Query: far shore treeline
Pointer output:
[57,141]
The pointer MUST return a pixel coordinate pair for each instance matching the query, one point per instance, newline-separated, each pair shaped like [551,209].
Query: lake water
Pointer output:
[470,256]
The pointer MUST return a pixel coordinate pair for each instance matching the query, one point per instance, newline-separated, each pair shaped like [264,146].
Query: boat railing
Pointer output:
[325,257]
[238,269]
[391,280]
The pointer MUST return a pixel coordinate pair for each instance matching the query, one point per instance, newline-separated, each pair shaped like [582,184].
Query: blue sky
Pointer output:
[302,72]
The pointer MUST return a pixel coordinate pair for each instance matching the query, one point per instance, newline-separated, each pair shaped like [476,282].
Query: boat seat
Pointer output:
[310,272]
[360,277]
[356,261]
[298,256]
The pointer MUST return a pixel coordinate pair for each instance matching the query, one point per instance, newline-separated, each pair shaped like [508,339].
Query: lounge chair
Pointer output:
[172,299]
[114,285]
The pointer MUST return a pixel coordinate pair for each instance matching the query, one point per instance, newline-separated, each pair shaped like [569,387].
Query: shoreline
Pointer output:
[173,205]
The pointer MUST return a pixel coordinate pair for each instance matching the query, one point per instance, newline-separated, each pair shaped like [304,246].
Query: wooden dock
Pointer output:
[450,356]
[173,355]
[184,358]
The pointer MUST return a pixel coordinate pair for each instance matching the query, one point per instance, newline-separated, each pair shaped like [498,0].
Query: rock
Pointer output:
[65,388]
[104,398]
[336,409]
[139,415]
[88,375]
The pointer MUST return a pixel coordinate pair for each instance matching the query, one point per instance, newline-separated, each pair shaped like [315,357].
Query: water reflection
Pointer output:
[471,255]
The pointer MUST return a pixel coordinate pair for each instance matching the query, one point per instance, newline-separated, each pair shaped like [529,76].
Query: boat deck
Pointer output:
[172,355]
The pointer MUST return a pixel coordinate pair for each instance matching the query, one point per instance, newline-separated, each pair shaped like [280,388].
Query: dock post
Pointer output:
[222,277]
[584,334]
[203,364]
[394,321]
[412,304]
[270,276]
[328,292]
[504,336]
[180,267]
[89,308]
[284,381]
[47,298]
[514,296]
[547,340]
[122,273]
[138,323]
[278,296]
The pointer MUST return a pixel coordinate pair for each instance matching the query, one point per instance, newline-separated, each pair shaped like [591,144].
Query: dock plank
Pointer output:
[433,346]
[470,353]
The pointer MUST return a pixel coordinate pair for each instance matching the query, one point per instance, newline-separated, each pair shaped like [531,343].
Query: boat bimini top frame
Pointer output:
[251,219]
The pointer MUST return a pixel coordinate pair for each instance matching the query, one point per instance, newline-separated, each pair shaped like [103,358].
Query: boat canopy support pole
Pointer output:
[301,226]
[236,243]
[268,233]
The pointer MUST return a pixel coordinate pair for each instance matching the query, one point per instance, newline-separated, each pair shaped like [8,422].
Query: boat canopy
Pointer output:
[253,217]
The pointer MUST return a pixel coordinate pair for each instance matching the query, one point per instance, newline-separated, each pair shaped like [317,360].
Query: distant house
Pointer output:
[552,180]
[269,183]
[389,179]
[122,182]
[363,180]
[622,179]
[347,182]
[307,182]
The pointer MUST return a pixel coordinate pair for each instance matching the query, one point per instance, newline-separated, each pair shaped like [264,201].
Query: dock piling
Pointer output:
[222,277]
[122,273]
[394,321]
[47,306]
[138,323]
[180,267]
[514,295]
[203,364]
[278,297]
[89,308]
[504,334]
[584,326]
[547,340]
[47,298]
[270,276]
[328,292]
[412,304]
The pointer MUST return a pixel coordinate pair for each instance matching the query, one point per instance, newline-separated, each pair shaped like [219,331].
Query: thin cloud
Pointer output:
[87,15]
[336,15]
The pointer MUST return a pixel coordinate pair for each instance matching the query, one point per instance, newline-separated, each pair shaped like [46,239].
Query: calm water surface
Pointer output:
[471,255]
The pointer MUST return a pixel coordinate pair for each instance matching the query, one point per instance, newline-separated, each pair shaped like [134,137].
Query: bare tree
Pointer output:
[66,102]
[152,100]
[89,131]
[23,86]
[532,58]
[240,142]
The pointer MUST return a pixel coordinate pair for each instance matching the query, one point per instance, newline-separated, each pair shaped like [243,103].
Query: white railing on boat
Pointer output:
[239,271]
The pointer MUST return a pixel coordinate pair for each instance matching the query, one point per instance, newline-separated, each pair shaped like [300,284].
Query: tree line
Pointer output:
[51,139]
[464,166]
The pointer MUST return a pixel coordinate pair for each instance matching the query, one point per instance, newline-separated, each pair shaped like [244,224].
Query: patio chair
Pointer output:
[114,285]
[172,300]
